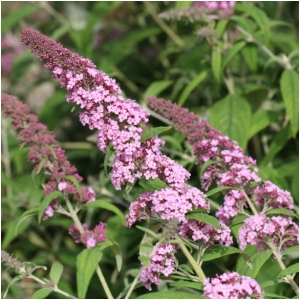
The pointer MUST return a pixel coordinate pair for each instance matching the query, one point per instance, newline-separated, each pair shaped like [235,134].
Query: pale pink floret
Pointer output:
[259,230]
[162,263]
[232,286]
[270,196]
[209,235]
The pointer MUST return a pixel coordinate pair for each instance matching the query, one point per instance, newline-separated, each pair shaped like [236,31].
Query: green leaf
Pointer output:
[216,64]
[56,272]
[233,51]
[186,268]
[15,279]
[188,284]
[42,293]
[152,185]
[269,283]
[238,220]
[260,120]
[250,55]
[217,251]
[232,116]
[10,230]
[277,144]
[257,261]
[191,86]
[76,183]
[153,234]
[109,153]
[293,269]
[86,263]
[16,16]
[156,87]
[115,247]
[273,296]
[293,249]
[205,218]
[106,205]
[41,164]
[47,200]
[25,215]
[221,25]
[258,15]
[153,132]
[145,253]
[282,211]
[217,190]
[171,295]
[205,166]
[289,87]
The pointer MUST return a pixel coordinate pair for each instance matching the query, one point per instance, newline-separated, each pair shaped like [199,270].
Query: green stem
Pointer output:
[249,202]
[190,258]
[74,216]
[177,40]
[133,284]
[283,267]
[55,288]
[283,62]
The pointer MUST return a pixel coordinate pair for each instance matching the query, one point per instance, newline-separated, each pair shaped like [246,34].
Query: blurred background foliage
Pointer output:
[212,69]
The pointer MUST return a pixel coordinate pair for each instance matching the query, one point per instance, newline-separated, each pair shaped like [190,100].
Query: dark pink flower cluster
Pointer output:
[162,263]
[232,286]
[209,235]
[260,230]
[89,237]
[43,150]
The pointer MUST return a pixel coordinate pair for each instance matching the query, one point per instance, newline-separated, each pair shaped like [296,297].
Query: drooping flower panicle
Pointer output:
[44,152]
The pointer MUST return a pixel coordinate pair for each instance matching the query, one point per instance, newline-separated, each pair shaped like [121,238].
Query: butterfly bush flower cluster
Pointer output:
[120,123]
[201,10]
[89,237]
[44,153]
[260,230]
[232,286]
[162,263]
[232,168]
[221,5]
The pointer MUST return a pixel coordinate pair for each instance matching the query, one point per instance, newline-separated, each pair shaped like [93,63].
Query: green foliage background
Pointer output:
[234,84]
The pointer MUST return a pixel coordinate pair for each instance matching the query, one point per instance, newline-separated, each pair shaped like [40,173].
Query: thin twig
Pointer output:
[283,62]
[177,40]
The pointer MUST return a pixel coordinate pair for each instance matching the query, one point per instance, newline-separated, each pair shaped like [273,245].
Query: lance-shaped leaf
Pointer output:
[205,218]
[293,269]
[289,87]
[282,211]
[86,263]
[156,87]
[153,185]
[25,215]
[56,272]
[76,183]
[42,293]
[153,132]
[217,190]
[109,206]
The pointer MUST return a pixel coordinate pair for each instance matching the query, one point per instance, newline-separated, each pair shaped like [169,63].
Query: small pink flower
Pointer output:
[231,286]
